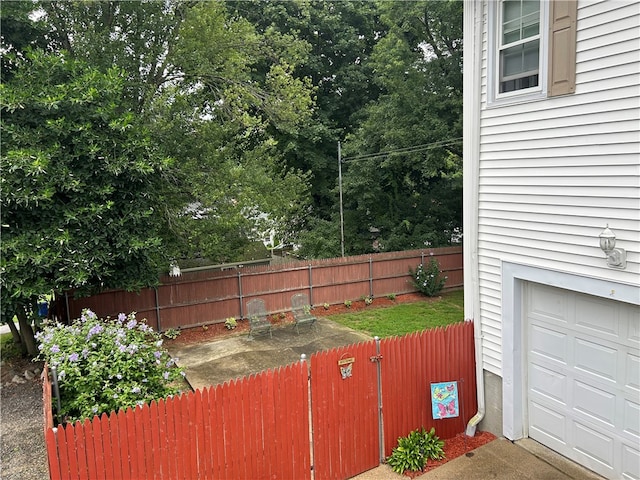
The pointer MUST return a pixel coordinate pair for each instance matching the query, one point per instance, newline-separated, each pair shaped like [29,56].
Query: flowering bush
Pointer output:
[106,365]
[230,323]
[428,278]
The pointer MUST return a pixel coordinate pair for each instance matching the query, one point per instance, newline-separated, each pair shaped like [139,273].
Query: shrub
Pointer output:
[368,300]
[391,296]
[106,365]
[326,306]
[230,323]
[414,450]
[428,279]
[347,303]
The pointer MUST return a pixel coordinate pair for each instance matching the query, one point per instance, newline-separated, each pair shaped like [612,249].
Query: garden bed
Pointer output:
[219,330]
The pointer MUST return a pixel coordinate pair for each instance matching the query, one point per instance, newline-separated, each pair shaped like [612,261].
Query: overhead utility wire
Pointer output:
[413,149]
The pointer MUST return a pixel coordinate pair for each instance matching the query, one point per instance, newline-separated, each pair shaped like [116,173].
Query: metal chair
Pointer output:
[257,314]
[301,310]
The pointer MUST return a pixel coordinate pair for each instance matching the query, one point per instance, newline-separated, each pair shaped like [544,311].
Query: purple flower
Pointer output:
[131,323]
[55,348]
[91,315]
[157,354]
[95,330]
[135,390]
[121,317]
[166,375]
[85,353]
[74,357]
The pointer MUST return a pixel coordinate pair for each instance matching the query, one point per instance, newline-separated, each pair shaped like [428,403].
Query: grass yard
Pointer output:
[407,317]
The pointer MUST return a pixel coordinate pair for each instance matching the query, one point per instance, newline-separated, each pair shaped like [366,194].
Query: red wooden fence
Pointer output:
[207,297]
[410,364]
[344,412]
[258,426]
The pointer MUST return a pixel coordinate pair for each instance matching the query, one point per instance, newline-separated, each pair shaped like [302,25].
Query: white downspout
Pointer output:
[472,71]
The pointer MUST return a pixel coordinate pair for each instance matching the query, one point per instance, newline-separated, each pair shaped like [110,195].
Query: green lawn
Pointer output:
[406,318]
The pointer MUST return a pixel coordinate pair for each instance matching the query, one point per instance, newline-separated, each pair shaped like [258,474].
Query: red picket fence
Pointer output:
[255,427]
[259,426]
[344,412]
[410,364]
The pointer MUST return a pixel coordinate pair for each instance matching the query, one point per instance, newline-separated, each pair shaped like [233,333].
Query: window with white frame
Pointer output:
[519,45]
[532,49]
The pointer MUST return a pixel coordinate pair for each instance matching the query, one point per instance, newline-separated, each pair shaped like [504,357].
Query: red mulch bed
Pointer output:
[218,330]
[455,447]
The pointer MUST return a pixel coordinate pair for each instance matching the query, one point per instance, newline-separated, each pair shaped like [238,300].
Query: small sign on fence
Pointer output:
[346,367]
[444,400]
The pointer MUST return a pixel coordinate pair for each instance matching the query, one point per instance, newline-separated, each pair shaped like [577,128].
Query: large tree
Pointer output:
[81,185]
[191,70]
[340,36]
[410,197]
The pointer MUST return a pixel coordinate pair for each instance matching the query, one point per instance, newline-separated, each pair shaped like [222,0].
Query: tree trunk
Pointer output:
[15,333]
[28,339]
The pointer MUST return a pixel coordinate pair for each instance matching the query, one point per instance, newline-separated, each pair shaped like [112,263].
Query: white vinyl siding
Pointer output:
[553,172]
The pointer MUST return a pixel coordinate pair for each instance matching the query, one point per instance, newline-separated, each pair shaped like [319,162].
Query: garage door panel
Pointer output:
[596,359]
[631,374]
[630,463]
[631,418]
[549,343]
[593,448]
[548,304]
[548,423]
[548,383]
[598,317]
[595,403]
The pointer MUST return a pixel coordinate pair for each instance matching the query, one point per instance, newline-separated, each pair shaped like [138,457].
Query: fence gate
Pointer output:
[344,405]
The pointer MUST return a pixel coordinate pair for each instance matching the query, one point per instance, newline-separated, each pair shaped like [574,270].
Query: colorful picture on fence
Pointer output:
[444,400]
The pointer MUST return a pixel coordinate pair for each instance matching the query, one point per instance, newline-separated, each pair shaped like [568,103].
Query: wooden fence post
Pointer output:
[310,286]
[240,293]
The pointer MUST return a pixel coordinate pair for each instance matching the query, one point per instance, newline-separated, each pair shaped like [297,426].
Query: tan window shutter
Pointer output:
[562,47]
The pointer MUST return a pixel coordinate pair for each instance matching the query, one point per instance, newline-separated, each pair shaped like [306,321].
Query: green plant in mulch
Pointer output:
[347,303]
[428,278]
[230,323]
[414,450]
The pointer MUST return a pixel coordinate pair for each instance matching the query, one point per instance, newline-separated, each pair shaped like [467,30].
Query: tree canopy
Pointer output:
[140,133]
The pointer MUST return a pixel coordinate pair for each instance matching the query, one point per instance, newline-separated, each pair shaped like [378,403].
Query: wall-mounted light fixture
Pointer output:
[616,257]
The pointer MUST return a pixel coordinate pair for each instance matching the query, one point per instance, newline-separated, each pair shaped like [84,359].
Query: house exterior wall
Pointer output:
[546,176]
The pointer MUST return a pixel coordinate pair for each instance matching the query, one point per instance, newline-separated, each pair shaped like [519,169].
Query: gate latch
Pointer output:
[375,358]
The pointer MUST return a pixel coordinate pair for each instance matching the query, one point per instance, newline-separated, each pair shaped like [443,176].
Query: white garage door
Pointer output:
[584,378]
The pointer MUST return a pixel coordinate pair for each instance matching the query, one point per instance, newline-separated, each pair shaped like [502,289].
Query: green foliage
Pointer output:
[230,323]
[414,450]
[172,333]
[106,365]
[406,317]
[428,279]
[368,300]
[347,303]
[325,306]
[81,184]
[412,196]
[391,296]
